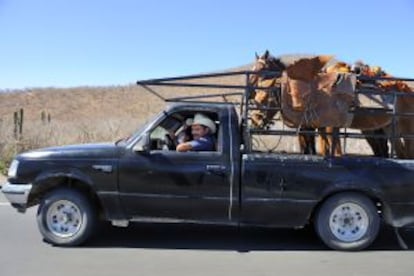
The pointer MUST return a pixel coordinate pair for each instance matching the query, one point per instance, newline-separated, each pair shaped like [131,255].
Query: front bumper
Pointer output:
[17,194]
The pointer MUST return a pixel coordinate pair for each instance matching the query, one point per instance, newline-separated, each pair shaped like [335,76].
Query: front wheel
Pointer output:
[347,221]
[66,217]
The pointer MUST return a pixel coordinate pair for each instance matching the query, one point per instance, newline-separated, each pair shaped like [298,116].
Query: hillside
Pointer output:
[91,104]
[83,114]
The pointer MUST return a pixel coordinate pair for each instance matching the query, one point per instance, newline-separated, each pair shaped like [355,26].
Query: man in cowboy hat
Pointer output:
[203,130]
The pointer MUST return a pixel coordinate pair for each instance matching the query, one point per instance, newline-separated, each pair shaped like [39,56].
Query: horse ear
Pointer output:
[257,56]
[323,60]
[266,54]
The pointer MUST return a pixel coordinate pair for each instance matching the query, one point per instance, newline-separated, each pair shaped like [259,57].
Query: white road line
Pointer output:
[4,204]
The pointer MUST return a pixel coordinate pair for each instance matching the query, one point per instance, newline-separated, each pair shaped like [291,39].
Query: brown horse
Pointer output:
[404,104]
[269,98]
[307,69]
[293,116]
[405,127]
[375,138]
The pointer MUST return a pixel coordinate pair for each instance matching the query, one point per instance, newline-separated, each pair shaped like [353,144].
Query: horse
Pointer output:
[403,104]
[405,127]
[268,97]
[307,69]
[375,138]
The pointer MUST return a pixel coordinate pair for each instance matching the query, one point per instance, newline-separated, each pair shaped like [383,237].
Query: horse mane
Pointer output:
[276,63]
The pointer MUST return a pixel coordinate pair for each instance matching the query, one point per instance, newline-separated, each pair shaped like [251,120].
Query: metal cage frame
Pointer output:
[246,106]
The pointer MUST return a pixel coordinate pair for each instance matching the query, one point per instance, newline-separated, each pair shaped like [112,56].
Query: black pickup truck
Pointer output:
[143,178]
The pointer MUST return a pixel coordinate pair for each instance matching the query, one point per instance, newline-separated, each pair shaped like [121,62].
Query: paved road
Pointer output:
[145,249]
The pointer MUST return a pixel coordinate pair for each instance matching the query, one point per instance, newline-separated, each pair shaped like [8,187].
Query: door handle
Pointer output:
[103,168]
[217,169]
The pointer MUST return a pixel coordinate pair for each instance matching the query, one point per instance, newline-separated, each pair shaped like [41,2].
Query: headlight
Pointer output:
[13,169]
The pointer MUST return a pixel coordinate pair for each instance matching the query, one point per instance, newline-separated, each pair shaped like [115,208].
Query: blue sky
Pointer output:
[64,43]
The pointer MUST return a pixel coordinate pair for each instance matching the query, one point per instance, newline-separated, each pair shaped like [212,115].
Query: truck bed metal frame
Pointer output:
[245,106]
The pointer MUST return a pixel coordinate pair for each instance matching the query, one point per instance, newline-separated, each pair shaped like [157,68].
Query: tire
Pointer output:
[66,217]
[347,221]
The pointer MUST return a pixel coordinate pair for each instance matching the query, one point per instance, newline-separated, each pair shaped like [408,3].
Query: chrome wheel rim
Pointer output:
[349,222]
[64,218]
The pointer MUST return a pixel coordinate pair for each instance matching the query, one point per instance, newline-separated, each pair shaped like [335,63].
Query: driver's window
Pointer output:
[158,138]
[161,137]
[176,129]
[158,133]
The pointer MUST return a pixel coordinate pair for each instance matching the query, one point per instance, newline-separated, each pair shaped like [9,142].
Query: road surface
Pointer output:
[147,249]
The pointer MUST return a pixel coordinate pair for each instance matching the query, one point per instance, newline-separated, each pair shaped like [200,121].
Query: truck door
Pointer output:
[166,184]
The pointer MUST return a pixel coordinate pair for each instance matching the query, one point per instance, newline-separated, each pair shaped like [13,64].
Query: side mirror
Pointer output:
[143,145]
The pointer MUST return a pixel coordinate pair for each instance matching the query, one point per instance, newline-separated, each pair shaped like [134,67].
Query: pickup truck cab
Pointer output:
[143,178]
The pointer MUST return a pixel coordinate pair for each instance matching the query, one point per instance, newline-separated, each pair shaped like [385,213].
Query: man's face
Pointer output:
[198,131]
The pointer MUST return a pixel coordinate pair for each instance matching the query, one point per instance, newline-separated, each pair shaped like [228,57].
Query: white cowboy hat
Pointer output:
[200,119]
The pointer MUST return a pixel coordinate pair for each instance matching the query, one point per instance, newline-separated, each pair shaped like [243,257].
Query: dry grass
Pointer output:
[82,114]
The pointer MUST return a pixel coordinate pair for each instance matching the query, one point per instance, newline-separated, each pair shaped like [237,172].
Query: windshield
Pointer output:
[134,136]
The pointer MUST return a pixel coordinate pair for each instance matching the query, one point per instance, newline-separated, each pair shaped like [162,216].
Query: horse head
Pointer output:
[265,63]
[266,72]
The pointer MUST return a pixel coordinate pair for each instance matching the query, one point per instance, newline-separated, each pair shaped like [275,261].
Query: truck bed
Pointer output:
[274,182]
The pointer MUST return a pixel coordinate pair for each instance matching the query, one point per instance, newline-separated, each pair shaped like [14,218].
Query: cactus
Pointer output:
[18,124]
[45,117]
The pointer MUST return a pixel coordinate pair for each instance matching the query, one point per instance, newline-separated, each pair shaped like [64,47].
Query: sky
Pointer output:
[67,43]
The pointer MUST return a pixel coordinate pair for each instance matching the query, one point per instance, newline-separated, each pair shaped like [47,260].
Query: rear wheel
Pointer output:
[347,221]
[66,217]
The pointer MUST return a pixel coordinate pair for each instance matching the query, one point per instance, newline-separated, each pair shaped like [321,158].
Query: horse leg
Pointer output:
[335,141]
[409,147]
[400,148]
[307,141]
[323,144]
[404,146]
[329,142]
[302,143]
[379,145]
[406,130]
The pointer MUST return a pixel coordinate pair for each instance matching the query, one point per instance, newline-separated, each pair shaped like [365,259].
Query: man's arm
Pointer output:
[201,144]
[187,146]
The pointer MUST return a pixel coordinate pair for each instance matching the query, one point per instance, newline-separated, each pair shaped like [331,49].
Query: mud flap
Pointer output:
[401,241]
